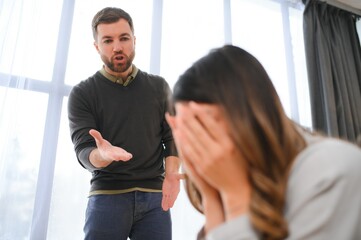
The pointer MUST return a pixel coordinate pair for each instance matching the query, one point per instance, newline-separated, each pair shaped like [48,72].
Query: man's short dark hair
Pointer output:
[110,15]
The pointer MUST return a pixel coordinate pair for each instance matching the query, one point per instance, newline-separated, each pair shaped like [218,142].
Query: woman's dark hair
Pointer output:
[233,79]
[110,15]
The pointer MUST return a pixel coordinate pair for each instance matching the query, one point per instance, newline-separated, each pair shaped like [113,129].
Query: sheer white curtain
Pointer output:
[46,47]
[28,46]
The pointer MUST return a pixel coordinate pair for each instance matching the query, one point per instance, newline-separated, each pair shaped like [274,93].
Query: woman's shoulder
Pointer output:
[322,186]
[324,153]
[325,164]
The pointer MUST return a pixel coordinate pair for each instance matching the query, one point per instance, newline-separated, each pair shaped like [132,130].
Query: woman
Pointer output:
[252,171]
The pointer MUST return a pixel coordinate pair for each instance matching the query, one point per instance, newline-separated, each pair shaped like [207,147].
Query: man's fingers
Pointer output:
[96,135]
[171,201]
[126,156]
[168,202]
[165,204]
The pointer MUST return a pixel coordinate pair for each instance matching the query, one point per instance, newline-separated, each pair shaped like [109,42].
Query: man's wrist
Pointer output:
[96,160]
[172,165]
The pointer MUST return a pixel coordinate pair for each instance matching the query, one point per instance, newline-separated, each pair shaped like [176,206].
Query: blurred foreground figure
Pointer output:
[253,172]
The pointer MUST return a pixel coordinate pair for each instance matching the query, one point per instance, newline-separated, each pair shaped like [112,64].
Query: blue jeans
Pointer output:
[137,215]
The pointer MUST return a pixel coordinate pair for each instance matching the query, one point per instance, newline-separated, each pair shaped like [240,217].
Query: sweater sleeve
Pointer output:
[80,122]
[167,138]
[168,142]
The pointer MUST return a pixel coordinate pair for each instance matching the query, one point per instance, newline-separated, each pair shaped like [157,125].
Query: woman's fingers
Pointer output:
[213,120]
[204,142]
[196,135]
[170,120]
[193,137]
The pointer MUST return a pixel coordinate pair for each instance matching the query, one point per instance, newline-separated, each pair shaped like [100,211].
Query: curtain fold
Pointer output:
[333,57]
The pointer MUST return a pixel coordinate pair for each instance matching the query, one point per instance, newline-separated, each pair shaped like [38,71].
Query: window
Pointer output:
[189,35]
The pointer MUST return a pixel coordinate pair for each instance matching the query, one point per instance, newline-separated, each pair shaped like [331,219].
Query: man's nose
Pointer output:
[118,46]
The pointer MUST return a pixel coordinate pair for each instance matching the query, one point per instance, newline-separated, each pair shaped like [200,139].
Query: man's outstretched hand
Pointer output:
[106,152]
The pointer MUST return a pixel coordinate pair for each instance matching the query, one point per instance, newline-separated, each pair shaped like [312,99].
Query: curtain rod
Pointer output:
[343,6]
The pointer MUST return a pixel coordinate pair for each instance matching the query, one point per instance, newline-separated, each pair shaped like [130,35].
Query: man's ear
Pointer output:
[96,46]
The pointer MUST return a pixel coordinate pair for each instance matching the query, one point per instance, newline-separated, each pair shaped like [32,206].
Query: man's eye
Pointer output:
[124,39]
[107,41]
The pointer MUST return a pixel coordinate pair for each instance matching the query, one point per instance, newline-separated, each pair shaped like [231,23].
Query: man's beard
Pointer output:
[119,68]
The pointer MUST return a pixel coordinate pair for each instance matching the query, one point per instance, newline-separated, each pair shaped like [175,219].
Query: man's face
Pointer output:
[115,43]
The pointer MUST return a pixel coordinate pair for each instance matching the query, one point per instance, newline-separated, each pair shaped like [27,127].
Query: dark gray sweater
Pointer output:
[131,117]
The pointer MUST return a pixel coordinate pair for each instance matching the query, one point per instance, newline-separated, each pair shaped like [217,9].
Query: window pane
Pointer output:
[257,27]
[189,33]
[28,37]
[358,28]
[83,60]
[70,189]
[186,221]
[21,132]
[303,94]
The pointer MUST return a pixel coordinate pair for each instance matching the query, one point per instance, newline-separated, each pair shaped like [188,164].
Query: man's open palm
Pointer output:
[107,151]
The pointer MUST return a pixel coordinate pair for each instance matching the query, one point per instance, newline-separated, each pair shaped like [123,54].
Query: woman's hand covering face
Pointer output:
[209,155]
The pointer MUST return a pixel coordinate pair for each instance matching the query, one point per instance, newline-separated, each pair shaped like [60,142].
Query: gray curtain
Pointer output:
[333,57]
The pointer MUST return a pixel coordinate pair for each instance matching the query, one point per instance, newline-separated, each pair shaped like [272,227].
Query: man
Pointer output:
[118,127]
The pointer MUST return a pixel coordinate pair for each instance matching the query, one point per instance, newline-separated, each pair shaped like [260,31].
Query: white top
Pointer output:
[323,198]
